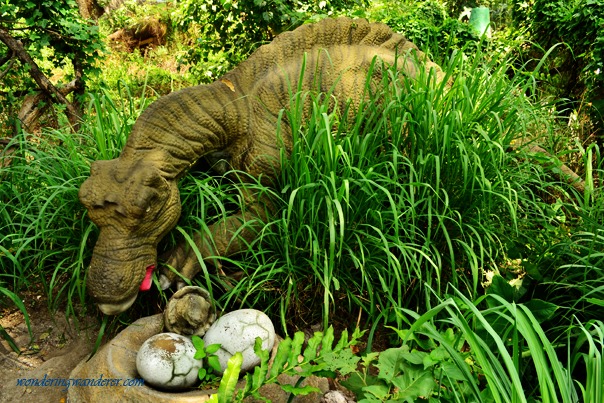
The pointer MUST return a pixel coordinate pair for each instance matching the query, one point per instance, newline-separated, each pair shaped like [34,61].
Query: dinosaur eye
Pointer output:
[145,200]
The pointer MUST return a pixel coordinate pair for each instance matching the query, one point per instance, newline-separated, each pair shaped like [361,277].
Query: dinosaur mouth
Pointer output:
[114,309]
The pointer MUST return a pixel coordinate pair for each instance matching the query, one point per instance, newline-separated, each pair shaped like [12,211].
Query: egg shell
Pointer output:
[166,361]
[236,331]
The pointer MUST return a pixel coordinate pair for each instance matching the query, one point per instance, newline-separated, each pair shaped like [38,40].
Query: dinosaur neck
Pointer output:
[178,129]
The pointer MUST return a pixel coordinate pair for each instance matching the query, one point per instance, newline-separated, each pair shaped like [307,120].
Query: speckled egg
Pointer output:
[166,361]
[236,332]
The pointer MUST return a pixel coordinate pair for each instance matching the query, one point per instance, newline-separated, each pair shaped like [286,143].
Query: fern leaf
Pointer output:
[328,338]
[258,378]
[228,383]
[281,358]
[296,349]
[343,342]
[312,348]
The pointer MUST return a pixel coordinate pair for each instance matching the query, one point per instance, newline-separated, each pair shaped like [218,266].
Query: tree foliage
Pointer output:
[37,38]
[236,27]
[426,23]
[576,64]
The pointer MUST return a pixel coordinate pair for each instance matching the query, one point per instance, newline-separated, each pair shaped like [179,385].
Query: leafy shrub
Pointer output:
[318,356]
[133,13]
[454,352]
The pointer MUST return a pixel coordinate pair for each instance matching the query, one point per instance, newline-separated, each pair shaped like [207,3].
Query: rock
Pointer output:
[335,396]
[275,394]
[167,361]
[237,331]
[190,311]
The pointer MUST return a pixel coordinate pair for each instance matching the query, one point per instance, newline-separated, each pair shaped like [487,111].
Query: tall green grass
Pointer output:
[507,347]
[421,188]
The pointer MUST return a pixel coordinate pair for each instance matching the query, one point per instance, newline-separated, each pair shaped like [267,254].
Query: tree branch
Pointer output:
[566,174]
[34,71]
[30,110]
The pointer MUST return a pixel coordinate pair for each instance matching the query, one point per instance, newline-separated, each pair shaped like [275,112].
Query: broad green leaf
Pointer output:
[429,362]
[381,391]
[541,310]
[214,363]
[499,286]
[198,342]
[452,371]
[414,383]
[212,348]
[439,354]
[389,362]
[355,383]
[414,357]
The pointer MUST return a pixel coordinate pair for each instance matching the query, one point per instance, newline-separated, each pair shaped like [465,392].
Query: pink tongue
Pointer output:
[146,284]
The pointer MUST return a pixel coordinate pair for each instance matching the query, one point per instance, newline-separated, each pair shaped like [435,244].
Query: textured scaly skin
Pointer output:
[134,199]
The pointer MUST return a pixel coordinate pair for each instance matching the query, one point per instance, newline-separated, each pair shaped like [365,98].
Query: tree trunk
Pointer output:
[90,9]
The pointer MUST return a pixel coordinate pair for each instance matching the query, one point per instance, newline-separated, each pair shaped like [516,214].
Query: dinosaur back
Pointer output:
[291,46]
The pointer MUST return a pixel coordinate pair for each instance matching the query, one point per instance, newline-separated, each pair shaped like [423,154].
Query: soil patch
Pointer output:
[58,345]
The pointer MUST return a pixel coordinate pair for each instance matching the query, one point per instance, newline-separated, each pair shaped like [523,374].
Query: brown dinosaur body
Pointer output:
[134,199]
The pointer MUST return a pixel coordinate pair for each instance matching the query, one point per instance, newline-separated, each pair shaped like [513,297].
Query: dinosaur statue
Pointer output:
[134,199]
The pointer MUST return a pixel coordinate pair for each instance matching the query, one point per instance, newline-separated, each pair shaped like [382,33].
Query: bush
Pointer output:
[425,23]
[575,68]
[57,40]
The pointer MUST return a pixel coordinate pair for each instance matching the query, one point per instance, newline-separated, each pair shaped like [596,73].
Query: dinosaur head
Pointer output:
[134,206]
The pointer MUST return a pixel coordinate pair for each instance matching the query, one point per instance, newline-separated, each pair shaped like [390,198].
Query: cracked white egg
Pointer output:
[166,361]
[236,332]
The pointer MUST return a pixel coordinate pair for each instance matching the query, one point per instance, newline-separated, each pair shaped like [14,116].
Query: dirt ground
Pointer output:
[57,347]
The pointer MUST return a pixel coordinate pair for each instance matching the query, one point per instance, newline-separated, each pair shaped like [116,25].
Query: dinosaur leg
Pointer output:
[223,238]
